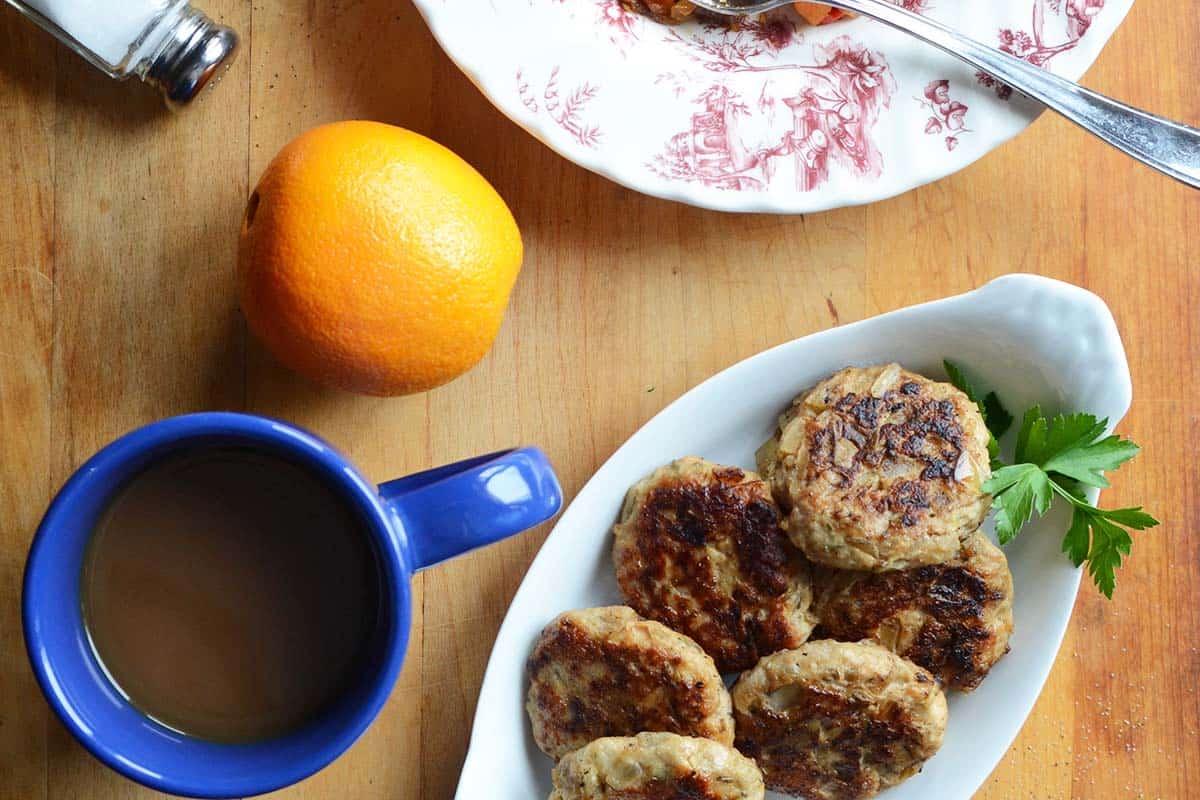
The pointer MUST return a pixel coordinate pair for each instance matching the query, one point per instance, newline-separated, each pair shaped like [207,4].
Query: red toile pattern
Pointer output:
[813,119]
[948,117]
[1058,26]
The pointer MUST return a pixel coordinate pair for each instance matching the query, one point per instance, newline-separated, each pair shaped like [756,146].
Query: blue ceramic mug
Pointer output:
[412,522]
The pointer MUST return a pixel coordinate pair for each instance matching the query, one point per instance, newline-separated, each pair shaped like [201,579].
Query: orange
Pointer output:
[375,260]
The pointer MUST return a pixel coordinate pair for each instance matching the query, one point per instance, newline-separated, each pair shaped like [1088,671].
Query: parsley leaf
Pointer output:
[1070,432]
[995,415]
[1017,491]
[1132,517]
[1108,542]
[959,379]
[1077,542]
[1062,455]
[1031,437]
[1087,463]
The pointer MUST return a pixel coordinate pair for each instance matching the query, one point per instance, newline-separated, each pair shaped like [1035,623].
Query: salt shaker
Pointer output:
[167,43]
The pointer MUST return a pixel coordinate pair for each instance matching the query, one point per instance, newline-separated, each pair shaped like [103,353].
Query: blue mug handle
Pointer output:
[450,510]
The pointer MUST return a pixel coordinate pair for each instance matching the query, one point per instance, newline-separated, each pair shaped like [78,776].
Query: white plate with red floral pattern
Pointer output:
[1031,339]
[774,117]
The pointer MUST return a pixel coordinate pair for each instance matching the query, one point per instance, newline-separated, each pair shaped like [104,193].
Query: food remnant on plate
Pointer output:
[819,13]
[662,10]
[656,766]
[673,11]
[699,548]
[838,720]
[878,468]
[608,672]
[953,619]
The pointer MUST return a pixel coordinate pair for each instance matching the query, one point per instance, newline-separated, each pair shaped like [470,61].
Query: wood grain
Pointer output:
[117,304]
[27,306]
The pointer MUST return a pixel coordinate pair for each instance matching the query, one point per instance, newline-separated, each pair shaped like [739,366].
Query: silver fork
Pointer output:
[1169,147]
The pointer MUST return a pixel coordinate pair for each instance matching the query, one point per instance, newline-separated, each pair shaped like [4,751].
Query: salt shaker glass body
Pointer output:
[167,43]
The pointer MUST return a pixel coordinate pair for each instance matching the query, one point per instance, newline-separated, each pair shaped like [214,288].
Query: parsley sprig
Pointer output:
[995,415]
[1062,455]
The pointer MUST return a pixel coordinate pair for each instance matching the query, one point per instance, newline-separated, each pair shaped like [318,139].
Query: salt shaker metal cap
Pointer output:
[194,57]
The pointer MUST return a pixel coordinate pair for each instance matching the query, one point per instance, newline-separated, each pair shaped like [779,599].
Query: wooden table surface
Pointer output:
[117,307]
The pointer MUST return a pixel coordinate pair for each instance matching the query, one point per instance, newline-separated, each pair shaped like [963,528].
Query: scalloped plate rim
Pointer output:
[724,200]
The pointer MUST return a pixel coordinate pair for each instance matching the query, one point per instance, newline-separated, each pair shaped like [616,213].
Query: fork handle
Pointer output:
[1167,146]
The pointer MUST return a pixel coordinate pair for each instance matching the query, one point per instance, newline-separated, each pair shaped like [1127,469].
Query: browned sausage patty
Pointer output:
[879,468]
[608,672]
[953,619]
[656,766]
[699,548]
[838,720]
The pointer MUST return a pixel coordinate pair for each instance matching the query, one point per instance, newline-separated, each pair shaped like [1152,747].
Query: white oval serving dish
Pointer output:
[1032,339]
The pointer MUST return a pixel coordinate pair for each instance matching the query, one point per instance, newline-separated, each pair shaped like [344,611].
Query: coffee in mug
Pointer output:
[229,594]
